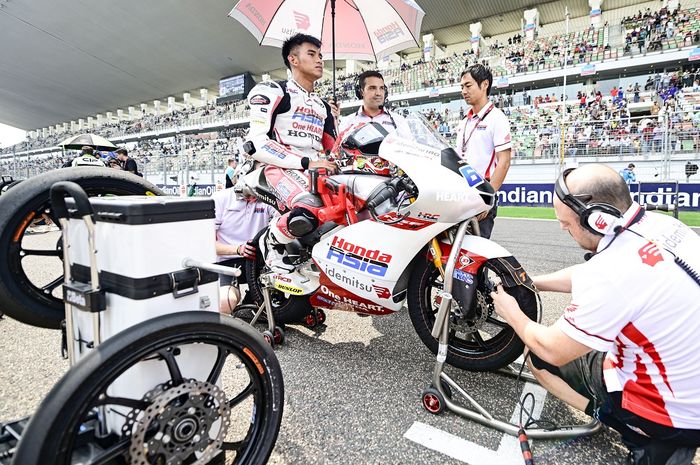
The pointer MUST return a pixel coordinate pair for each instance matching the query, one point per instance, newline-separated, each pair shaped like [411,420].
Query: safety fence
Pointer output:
[538,136]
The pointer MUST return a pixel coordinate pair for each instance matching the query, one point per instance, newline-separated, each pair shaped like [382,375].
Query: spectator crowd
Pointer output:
[625,120]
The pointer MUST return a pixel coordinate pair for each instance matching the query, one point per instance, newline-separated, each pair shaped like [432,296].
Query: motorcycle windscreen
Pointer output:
[366,138]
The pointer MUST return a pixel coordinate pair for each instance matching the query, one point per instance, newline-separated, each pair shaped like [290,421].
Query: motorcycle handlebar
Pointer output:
[388,192]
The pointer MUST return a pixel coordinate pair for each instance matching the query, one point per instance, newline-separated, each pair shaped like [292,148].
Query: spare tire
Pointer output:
[21,298]
[5,186]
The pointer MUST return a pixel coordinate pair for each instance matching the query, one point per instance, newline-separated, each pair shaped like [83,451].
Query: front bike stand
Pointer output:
[438,396]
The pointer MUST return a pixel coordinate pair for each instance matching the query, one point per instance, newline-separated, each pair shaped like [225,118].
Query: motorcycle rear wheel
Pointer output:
[494,344]
[287,308]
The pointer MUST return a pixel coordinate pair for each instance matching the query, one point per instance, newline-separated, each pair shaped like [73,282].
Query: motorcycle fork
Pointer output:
[441,327]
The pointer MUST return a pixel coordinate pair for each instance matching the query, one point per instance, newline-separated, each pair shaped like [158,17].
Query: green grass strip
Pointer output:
[546,213]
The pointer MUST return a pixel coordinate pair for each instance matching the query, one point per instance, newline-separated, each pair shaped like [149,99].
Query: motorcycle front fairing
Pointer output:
[368,263]
[443,194]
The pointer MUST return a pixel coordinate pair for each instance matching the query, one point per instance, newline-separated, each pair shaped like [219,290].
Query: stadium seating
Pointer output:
[536,125]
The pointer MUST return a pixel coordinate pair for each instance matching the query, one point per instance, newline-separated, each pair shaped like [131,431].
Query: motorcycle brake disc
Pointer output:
[179,423]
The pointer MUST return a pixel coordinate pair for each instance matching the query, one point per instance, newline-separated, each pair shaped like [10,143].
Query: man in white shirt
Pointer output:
[483,136]
[237,221]
[371,89]
[626,350]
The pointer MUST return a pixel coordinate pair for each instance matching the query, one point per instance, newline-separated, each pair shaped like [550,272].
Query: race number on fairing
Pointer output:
[473,178]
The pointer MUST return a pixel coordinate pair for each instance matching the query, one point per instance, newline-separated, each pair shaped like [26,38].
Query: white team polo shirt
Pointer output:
[632,301]
[480,136]
[392,122]
[238,220]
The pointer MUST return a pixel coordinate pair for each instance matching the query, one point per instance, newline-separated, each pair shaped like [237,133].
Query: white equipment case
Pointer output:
[140,244]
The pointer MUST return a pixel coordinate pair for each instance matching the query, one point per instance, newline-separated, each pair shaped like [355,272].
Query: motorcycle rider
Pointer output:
[289,126]
[370,87]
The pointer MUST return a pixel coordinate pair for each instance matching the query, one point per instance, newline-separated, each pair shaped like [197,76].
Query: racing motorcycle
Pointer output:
[389,229]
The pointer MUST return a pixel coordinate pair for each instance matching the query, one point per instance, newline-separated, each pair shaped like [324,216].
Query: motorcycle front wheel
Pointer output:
[479,339]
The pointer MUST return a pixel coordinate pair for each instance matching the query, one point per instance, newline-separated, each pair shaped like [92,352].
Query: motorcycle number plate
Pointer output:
[472,177]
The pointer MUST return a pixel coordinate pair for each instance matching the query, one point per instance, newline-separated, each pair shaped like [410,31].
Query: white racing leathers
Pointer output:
[289,127]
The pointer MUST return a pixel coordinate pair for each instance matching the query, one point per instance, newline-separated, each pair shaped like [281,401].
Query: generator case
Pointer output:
[140,242]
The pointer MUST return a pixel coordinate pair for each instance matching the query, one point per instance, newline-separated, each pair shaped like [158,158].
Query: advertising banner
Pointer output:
[540,195]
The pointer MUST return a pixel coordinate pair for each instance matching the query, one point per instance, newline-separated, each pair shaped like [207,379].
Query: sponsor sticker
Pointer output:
[259,99]
[465,261]
[288,288]
[373,262]
[429,216]
[464,277]
[382,292]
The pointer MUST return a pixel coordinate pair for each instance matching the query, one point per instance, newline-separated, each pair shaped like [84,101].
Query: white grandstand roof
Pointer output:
[61,61]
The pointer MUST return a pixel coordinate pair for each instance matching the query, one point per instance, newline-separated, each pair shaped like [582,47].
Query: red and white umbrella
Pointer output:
[349,29]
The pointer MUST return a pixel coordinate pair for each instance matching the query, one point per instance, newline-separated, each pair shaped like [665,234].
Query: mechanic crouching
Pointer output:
[627,349]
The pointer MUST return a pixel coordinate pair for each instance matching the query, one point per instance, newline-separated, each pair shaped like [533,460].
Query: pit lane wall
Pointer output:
[529,194]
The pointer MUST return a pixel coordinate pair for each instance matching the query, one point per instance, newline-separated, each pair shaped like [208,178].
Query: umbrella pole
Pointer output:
[335,100]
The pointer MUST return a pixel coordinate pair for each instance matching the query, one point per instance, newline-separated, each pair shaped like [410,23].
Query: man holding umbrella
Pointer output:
[289,126]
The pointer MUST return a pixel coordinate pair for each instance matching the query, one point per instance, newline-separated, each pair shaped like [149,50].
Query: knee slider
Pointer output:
[301,222]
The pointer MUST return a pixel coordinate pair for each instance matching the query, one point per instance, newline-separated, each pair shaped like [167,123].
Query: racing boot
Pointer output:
[274,253]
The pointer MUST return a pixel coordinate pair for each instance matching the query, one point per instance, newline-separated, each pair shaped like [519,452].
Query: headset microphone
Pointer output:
[588,255]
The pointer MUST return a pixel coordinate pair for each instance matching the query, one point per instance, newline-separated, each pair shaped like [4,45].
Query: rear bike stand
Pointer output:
[273,334]
[439,396]
[316,318]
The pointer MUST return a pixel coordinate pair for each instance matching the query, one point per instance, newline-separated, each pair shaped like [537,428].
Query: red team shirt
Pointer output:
[634,303]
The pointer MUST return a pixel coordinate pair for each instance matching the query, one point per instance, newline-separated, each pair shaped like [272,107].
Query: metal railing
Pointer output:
[541,136]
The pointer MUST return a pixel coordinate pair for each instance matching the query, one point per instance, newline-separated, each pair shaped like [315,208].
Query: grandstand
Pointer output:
[642,102]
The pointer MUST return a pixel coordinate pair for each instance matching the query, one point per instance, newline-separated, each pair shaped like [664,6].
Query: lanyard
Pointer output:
[465,142]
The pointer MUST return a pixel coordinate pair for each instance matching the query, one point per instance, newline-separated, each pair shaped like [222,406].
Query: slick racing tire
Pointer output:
[180,420]
[483,343]
[8,184]
[27,300]
[287,309]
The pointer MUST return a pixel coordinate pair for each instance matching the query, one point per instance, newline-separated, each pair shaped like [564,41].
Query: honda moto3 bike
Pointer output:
[395,228]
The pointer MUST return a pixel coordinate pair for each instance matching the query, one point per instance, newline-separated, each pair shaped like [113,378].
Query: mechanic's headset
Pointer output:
[359,91]
[598,218]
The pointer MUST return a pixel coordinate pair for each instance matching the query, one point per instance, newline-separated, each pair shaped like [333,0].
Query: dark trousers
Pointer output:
[486,225]
[585,376]
[226,280]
